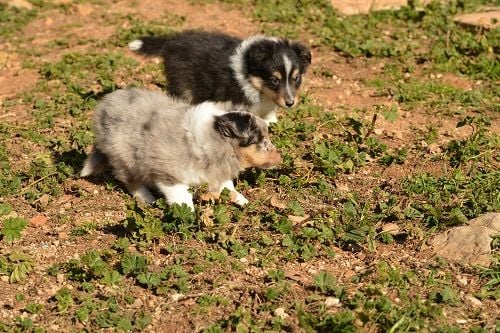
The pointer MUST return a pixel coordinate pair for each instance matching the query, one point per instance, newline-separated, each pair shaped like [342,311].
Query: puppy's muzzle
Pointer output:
[273,159]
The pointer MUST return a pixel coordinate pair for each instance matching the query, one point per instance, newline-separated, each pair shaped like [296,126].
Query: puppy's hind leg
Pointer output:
[96,162]
[142,193]
[178,194]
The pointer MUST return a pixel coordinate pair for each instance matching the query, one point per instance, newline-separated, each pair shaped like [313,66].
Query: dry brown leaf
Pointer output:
[277,203]
[298,219]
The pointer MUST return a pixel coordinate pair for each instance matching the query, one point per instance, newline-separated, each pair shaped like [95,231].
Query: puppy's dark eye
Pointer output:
[275,81]
[297,79]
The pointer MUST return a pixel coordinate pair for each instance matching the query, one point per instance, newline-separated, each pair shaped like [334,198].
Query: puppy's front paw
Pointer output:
[238,199]
[271,119]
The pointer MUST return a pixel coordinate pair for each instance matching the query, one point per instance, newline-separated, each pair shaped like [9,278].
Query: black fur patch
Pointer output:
[198,64]
[240,126]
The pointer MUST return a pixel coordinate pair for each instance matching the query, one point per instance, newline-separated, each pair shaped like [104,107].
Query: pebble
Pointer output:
[462,280]
[331,302]
[280,312]
[60,278]
[177,297]
[473,301]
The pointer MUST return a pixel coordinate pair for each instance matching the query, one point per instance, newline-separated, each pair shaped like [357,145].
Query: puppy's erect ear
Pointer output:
[240,126]
[303,53]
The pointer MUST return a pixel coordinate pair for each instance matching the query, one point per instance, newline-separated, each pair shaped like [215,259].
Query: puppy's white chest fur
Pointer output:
[266,109]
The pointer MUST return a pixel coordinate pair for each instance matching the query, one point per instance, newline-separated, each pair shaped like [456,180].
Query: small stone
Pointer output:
[338,81]
[38,221]
[391,228]
[48,21]
[4,278]
[473,301]
[331,302]
[96,191]
[462,280]
[378,131]
[280,312]
[21,4]
[407,75]
[432,76]
[439,75]
[461,321]
[60,278]
[177,297]
[243,260]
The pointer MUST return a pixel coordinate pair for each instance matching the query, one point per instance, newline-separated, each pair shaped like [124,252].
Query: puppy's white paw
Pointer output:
[271,119]
[240,200]
[135,45]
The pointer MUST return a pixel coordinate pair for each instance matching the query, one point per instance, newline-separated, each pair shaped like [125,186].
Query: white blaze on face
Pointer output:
[288,69]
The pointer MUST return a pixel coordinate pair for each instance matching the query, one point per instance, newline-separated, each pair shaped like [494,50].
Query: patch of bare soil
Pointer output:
[212,17]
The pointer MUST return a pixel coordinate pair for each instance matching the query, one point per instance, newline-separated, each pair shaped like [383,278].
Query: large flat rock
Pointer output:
[469,244]
[355,7]
[487,20]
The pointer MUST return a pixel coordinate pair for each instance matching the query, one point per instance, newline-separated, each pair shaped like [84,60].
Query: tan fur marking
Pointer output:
[251,157]
[295,72]
[278,75]
[256,82]
[276,97]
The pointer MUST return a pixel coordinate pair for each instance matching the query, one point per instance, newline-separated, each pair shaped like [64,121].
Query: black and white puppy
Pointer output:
[256,74]
[152,140]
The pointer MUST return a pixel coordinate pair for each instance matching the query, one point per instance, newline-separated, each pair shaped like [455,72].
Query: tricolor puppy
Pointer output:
[152,140]
[256,74]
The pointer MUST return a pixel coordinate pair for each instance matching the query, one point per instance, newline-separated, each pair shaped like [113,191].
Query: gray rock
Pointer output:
[469,244]
[487,20]
[356,7]
[20,4]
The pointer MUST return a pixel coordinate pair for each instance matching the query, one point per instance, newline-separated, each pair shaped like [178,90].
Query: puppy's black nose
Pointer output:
[289,103]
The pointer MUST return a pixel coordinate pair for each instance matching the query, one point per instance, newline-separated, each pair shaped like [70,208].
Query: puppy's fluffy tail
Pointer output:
[96,162]
[149,45]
